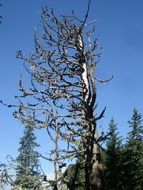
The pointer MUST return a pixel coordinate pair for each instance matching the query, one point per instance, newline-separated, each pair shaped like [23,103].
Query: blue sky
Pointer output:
[119,29]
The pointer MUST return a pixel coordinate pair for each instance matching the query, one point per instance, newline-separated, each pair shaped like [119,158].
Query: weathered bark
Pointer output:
[93,166]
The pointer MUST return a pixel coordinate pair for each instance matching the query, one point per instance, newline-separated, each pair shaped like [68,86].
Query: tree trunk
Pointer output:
[93,166]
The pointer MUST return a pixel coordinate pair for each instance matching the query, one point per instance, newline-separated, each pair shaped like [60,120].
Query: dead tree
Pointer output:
[63,84]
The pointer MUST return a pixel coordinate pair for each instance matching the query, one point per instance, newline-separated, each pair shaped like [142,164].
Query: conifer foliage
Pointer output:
[134,153]
[113,158]
[27,170]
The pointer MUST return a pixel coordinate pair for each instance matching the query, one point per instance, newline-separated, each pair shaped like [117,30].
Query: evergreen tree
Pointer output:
[133,157]
[27,171]
[112,159]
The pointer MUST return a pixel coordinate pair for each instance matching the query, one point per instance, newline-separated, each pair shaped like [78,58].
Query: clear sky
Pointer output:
[119,29]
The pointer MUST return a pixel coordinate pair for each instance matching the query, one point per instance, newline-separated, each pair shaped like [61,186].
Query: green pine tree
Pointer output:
[27,170]
[112,159]
[133,157]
